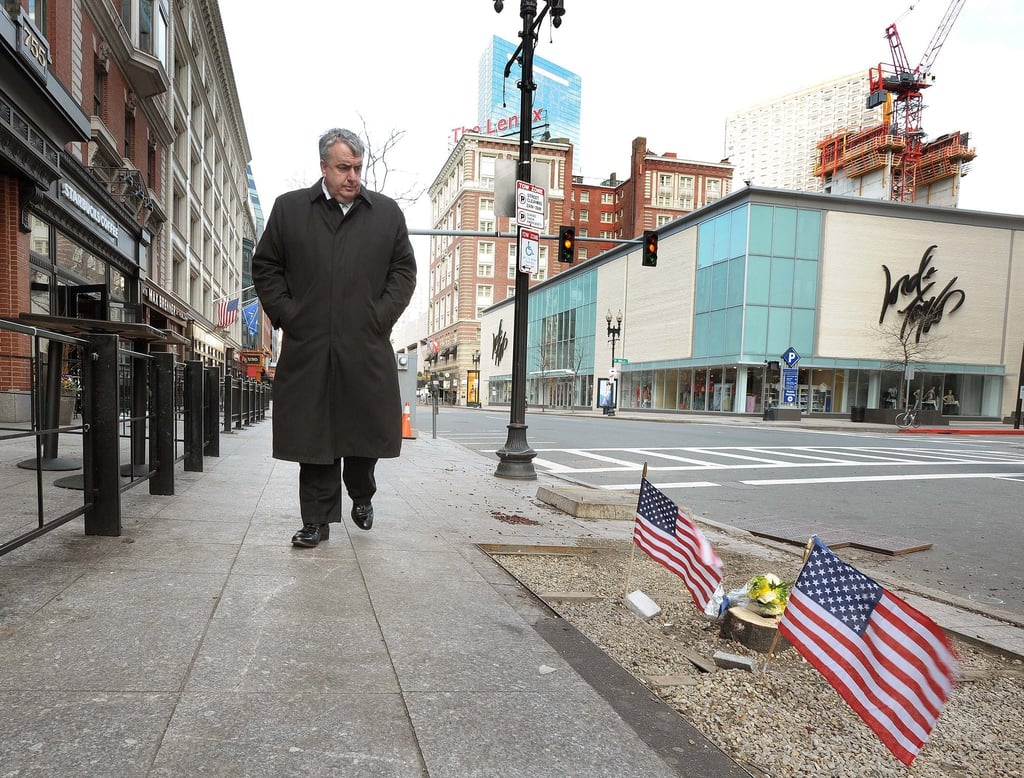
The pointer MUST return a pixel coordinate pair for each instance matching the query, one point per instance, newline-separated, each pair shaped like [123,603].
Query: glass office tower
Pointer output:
[556,102]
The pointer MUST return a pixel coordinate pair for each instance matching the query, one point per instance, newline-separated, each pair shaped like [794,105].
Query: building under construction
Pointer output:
[890,160]
[873,163]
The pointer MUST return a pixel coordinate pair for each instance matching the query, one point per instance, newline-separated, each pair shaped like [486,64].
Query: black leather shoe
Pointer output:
[311,534]
[362,515]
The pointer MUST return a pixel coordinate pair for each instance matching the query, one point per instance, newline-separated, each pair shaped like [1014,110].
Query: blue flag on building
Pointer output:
[250,314]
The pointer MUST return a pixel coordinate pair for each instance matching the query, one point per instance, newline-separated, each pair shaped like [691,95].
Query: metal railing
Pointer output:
[141,415]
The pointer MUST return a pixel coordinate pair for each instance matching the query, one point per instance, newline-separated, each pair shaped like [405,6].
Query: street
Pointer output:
[961,494]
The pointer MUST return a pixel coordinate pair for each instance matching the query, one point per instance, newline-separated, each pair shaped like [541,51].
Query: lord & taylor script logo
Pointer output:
[923,305]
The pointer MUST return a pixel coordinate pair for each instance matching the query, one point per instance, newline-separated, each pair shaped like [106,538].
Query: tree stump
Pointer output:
[752,630]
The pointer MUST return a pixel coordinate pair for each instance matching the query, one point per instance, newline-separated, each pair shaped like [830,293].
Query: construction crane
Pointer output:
[899,88]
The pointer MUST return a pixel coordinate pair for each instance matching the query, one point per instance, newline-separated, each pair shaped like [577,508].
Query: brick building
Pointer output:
[121,198]
[470,272]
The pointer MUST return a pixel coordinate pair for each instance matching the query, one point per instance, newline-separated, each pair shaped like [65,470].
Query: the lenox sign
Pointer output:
[492,127]
[77,199]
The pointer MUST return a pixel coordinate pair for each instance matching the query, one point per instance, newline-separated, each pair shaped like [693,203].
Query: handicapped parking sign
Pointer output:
[528,251]
[790,357]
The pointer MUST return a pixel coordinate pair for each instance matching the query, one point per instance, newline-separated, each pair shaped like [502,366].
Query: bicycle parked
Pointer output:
[907,419]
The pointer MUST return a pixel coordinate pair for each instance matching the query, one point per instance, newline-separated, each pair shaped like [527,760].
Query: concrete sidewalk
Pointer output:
[202,643]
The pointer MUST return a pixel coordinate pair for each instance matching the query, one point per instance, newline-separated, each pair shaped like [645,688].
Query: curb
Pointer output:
[947,431]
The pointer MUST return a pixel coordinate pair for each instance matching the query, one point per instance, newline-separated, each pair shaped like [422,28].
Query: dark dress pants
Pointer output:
[320,487]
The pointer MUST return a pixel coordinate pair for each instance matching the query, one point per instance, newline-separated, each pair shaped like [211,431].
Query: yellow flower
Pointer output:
[768,594]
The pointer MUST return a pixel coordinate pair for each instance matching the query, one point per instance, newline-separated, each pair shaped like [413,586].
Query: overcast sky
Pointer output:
[667,70]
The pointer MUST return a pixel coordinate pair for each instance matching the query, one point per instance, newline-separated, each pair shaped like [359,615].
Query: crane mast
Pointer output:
[900,87]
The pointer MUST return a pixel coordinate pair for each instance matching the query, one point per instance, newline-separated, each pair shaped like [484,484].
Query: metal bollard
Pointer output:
[194,415]
[211,412]
[102,482]
[161,429]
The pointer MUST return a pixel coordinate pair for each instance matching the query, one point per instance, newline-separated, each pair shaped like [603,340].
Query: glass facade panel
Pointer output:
[784,233]
[719,285]
[703,295]
[782,282]
[705,243]
[716,333]
[805,284]
[737,268]
[701,326]
[802,334]
[733,330]
[808,234]
[778,330]
[755,330]
[758,278]
[722,235]
[760,229]
[738,236]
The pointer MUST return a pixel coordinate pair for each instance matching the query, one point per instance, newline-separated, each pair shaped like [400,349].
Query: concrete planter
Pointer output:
[15,406]
[67,408]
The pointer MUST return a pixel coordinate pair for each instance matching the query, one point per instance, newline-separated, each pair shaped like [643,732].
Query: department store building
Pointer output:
[860,290]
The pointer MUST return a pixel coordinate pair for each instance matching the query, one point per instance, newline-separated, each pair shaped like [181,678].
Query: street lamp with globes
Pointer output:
[515,458]
[614,333]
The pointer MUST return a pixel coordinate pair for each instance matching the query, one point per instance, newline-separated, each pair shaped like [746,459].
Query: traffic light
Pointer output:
[650,248]
[566,244]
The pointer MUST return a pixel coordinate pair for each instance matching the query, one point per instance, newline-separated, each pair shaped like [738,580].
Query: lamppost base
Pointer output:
[516,456]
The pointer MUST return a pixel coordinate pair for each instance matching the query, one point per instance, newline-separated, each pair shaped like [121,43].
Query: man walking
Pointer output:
[334,270]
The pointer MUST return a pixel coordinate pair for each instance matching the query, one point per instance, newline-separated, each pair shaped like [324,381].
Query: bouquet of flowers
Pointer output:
[768,594]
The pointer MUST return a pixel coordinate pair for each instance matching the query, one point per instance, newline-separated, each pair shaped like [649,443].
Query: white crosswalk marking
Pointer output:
[728,462]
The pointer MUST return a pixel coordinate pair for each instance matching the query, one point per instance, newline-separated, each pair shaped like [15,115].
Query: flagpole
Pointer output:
[632,553]
[233,294]
[775,640]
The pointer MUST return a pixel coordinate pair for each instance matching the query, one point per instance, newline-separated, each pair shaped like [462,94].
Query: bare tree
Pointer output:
[902,345]
[544,366]
[377,169]
[578,354]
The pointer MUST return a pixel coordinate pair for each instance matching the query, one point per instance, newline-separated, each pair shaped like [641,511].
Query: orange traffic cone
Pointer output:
[407,423]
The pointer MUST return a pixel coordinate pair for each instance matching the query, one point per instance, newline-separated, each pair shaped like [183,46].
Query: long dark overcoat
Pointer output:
[335,285]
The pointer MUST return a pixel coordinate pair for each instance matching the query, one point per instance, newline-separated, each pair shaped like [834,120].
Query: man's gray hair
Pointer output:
[337,135]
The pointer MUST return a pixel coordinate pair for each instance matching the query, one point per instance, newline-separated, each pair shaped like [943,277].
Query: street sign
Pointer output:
[613,372]
[790,357]
[621,361]
[529,197]
[529,219]
[529,251]
[789,385]
[529,205]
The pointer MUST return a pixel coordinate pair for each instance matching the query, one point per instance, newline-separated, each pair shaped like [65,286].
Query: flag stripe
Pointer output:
[227,312]
[671,538]
[890,663]
[803,637]
[680,560]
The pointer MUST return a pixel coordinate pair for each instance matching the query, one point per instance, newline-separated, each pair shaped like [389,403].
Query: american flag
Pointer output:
[227,312]
[670,537]
[888,661]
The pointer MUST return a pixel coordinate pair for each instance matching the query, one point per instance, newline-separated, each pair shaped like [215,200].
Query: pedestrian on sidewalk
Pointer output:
[334,270]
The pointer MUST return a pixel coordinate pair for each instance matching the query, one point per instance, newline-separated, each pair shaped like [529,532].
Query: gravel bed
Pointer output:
[786,721]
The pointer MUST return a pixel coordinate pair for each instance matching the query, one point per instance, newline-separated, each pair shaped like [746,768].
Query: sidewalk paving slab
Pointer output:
[201,642]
